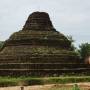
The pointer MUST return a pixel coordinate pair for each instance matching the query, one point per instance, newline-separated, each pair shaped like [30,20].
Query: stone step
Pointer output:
[76,69]
[42,72]
[39,41]
[42,66]
[38,59]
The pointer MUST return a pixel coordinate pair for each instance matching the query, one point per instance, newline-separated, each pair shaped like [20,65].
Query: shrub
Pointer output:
[76,87]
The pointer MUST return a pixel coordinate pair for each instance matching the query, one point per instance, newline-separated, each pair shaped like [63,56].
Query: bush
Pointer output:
[34,81]
[7,83]
[25,81]
[76,87]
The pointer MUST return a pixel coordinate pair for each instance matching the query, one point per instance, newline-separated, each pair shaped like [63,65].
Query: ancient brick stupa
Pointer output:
[38,49]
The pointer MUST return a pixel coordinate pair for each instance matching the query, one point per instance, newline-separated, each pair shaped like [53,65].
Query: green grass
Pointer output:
[15,81]
[62,88]
[75,87]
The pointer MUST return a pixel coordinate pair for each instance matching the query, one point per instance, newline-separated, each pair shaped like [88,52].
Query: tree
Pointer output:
[1,44]
[72,41]
[84,50]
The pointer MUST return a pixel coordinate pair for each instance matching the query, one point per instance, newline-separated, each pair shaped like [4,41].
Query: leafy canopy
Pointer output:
[84,50]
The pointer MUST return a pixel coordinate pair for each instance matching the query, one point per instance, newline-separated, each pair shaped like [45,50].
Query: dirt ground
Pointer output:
[83,86]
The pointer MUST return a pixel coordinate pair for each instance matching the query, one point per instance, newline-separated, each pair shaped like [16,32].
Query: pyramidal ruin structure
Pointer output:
[39,50]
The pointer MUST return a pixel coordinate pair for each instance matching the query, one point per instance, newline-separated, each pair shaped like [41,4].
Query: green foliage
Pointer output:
[84,50]
[70,38]
[76,87]
[1,44]
[7,81]
[24,81]
[33,81]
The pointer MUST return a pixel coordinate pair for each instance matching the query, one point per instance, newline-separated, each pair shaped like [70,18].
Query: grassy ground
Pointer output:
[81,86]
[78,86]
[25,81]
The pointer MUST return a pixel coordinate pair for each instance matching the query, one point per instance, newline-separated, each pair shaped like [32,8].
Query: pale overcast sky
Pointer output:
[71,17]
